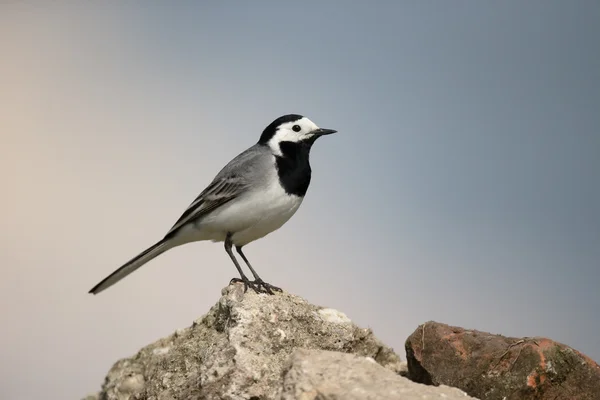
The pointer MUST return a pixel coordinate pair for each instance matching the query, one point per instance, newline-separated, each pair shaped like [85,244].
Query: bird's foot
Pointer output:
[258,285]
[266,287]
[247,283]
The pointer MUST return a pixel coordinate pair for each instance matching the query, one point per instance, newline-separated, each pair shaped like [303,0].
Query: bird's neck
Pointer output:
[293,166]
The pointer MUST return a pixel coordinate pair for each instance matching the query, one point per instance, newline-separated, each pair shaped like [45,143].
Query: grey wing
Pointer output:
[233,180]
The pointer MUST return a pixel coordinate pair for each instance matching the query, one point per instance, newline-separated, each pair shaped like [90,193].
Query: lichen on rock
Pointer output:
[238,350]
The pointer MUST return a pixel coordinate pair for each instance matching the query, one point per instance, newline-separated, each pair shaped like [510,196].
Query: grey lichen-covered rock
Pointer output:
[318,374]
[238,350]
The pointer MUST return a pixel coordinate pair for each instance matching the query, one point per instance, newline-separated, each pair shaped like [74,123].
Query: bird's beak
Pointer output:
[323,131]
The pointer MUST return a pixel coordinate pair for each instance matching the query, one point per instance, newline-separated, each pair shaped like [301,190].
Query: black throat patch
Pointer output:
[293,167]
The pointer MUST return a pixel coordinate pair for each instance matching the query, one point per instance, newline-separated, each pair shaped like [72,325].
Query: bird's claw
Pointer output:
[247,283]
[266,287]
[258,285]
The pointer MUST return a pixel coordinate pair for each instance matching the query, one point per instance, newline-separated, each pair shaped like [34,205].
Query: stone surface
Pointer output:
[318,374]
[238,350]
[494,367]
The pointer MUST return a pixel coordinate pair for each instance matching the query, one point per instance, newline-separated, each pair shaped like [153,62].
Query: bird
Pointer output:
[255,194]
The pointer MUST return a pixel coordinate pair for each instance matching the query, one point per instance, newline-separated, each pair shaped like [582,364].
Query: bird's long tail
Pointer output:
[131,265]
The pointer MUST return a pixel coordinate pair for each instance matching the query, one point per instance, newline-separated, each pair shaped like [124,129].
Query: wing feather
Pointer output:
[233,180]
[218,193]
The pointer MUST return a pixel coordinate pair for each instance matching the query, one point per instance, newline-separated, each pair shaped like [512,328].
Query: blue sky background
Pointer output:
[462,186]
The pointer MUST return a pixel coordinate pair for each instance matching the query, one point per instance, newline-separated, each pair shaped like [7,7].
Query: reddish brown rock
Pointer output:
[492,367]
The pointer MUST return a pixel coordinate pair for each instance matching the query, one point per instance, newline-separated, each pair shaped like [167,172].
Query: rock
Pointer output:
[493,367]
[403,369]
[317,374]
[238,350]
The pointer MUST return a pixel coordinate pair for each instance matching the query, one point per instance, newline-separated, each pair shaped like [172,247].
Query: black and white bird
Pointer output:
[253,195]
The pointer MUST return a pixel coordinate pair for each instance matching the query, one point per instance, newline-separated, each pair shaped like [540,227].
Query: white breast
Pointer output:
[249,217]
[268,215]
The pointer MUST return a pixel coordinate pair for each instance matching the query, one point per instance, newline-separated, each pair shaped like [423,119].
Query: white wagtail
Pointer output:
[252,196]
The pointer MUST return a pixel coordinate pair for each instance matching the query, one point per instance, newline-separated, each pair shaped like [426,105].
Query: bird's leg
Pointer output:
[267,286]
[244,279]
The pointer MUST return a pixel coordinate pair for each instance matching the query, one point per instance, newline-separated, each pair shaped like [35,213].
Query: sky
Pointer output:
[462,185]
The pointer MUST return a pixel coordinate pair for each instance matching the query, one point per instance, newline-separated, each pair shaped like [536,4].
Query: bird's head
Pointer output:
[292,128]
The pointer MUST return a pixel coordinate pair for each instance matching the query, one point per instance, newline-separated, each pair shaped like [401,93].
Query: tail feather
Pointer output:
[131,265]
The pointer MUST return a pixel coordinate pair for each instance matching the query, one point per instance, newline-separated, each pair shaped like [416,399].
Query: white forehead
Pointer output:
[306,124]
[286,133]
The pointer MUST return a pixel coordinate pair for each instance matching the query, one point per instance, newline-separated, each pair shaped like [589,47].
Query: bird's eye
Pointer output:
[296,128]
